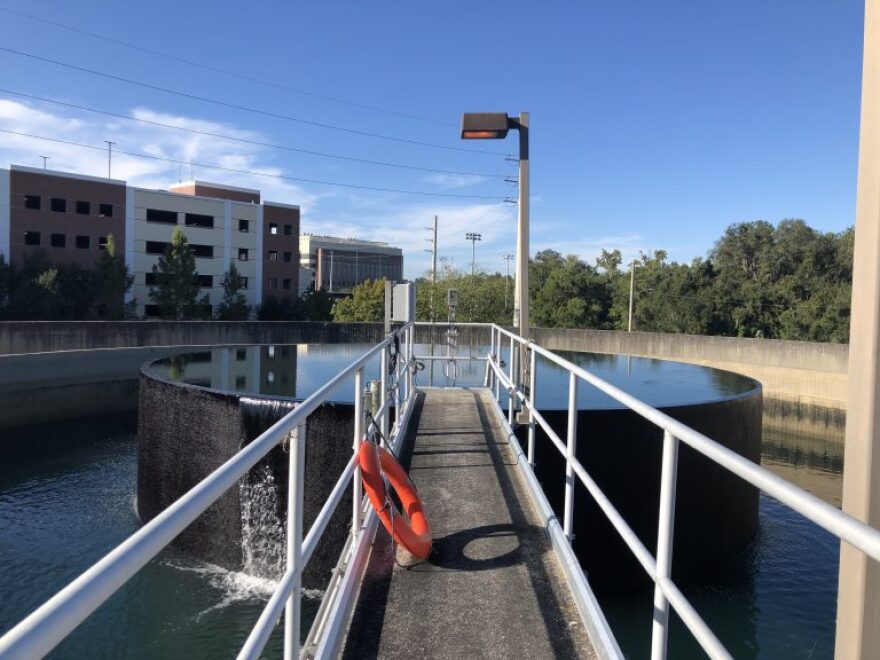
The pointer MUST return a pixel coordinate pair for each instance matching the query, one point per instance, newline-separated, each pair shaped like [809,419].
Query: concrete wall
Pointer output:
[804,372]
[41,336]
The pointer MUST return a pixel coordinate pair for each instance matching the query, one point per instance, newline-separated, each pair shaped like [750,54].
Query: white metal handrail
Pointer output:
[50,623]
[844,526]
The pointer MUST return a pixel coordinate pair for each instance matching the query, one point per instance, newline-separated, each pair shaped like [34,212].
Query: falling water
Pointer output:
[262,534]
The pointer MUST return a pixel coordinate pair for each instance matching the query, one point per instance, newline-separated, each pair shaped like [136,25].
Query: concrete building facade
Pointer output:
[340,264]
[69,217]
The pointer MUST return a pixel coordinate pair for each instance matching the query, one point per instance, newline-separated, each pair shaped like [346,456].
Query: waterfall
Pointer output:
[263,539]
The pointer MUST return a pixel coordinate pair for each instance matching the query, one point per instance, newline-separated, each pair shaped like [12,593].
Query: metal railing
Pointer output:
[43,629]
[666,593]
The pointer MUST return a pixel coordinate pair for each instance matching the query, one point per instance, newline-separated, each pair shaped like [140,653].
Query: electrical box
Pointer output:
[403,305]
[452,298]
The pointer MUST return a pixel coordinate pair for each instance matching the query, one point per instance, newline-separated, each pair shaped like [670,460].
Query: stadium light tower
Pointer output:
[473,238]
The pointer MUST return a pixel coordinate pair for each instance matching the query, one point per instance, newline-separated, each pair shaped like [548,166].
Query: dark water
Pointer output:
[67,498]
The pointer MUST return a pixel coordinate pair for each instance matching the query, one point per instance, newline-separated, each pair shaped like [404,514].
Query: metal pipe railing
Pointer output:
[833,520]
[50,623]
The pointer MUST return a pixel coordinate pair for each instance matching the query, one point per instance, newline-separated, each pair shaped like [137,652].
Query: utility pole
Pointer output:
[45,158]
[508,258]
[109,156]
[632,286]
[433,251]
[858,593]
[473,238]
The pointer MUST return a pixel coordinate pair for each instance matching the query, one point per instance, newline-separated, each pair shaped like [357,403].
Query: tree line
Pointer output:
[40,290]
[787,281]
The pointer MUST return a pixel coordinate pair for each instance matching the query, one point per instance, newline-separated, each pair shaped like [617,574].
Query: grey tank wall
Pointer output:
[716,512]
[185,433]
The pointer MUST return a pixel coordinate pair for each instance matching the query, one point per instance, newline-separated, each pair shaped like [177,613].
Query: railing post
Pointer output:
[295,482]
[383,397]
[665,529]
[512,394]
[571,449]
[532,400]
[496,347]
[357,490]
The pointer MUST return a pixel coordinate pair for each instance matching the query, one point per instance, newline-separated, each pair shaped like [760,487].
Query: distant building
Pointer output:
[70,215]
[340,264]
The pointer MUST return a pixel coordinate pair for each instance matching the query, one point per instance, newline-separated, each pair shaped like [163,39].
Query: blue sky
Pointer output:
[654,125]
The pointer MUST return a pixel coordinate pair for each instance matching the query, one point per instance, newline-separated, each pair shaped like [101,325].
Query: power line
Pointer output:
[244,108]
[250,172]
[233,74]
[243,140]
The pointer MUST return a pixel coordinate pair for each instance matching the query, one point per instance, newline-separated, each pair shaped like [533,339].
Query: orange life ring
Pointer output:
[412,530]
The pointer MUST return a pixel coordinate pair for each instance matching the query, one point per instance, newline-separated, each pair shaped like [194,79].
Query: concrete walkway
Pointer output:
[492,587]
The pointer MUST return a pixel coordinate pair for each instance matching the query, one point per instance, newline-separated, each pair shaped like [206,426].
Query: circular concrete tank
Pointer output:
[197,410]
[716,512]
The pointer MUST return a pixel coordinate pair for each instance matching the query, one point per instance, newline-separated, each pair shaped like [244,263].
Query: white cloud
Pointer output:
[157,141]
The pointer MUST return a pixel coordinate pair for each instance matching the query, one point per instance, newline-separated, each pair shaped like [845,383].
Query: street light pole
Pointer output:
[109,155]
[521,287]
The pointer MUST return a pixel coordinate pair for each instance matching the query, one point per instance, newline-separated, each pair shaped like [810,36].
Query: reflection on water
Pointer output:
[297,370]
[778,598]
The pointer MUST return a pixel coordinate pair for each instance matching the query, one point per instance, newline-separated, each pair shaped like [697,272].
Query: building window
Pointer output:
[285,283]
[288,257]
[82,242]
[150,279]
[83,208]
[273,255]
[240,354]
[151,310]
[32,202]
[242,254]
[59,205]
[240,382]
[58,240]
[244,225]
[244,282]
[270,351]
[273,229]
[102,243]
[202,251]
[32,238]
[156,247]
[270,377]
[272,283]
[288,230]
[165,217]
[105,210]
[206,281]
[198,220]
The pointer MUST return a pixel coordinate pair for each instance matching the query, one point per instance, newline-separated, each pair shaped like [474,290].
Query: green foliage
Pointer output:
[312,306]
[177,285]
[233,306]
[366,303]
[112,281]
[40,290]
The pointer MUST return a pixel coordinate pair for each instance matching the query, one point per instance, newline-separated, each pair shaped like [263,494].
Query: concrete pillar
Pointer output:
[858,600]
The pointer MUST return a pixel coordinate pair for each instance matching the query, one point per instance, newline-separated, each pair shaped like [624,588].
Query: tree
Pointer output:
[112,281]
[233,306]
[366,303]
[277,309]
[177,285]
[316,305]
